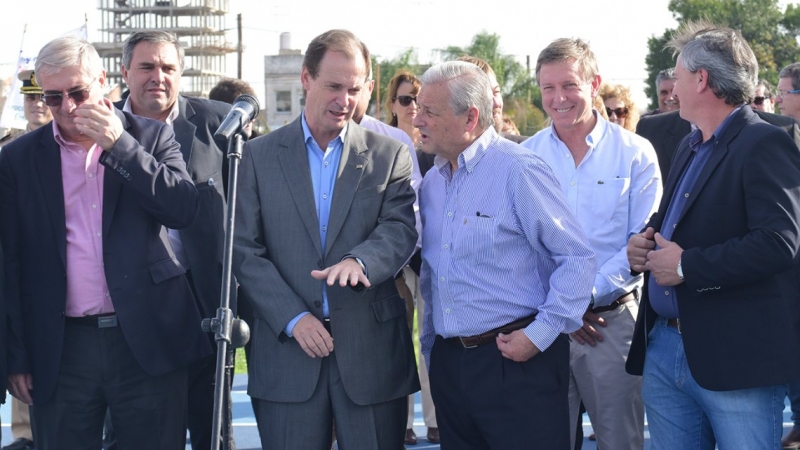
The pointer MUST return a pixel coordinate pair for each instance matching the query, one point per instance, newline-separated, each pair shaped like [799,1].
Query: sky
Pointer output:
[617,31]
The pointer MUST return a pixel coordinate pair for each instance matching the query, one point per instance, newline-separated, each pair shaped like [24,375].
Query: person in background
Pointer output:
[401,102]
[763,97]
[665,81]
[619,106]
[37,114]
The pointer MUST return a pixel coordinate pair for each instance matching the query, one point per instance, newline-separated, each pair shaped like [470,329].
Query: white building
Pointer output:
[284,91]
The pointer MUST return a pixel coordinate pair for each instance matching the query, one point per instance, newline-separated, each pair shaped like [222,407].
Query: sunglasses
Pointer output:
[405,100]
[759,100]
[78,96]
[620,112]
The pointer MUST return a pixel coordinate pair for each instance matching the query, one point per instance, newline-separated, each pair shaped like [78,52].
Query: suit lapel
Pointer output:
[184,128]
[351,168]
[48,159]
[718,153]
[294,161]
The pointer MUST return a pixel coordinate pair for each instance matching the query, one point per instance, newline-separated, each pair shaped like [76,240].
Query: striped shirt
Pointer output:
[499,244]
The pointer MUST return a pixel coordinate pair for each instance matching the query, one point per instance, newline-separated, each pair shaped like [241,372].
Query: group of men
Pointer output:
[561,271]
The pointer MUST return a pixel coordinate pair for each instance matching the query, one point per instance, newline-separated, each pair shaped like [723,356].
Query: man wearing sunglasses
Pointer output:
[763,97]
[612,183]
[152,64]
[100,314]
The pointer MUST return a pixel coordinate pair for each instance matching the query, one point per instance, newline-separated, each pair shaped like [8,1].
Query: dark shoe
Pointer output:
[592,437]
[411,437]
[791,440]
[433,435]
[20,444]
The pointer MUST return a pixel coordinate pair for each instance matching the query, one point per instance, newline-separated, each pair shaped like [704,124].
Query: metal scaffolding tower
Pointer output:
[198,24]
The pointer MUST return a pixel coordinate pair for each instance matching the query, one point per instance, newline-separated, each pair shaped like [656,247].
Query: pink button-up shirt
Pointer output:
[82,176]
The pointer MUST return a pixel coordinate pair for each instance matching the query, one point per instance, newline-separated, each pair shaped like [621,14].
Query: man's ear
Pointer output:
[472,119]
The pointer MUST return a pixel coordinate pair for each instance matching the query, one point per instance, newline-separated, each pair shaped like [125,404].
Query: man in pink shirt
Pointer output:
[100,313]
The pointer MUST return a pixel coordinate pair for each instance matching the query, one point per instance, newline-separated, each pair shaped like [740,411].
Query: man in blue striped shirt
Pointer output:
[506,267]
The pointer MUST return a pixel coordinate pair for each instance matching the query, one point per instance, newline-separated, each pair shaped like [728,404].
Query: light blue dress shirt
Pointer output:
[324,166]
[499,244]
[613,192]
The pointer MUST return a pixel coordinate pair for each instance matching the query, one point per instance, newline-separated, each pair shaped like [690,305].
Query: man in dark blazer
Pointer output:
[324,222]
[152,63]
[100,313]
[666,131]
[718,332]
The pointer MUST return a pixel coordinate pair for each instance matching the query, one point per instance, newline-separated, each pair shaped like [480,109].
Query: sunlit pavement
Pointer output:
[246,433]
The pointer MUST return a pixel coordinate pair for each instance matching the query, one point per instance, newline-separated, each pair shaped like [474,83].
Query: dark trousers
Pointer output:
[98,372]
[485,401]
[308,425]
[202,379]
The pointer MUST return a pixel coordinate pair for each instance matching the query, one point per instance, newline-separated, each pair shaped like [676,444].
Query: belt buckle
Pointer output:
[107,321]
[461,339]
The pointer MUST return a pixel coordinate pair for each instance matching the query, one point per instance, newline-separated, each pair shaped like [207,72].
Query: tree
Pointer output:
[385,70]
[772,34]
[518,86]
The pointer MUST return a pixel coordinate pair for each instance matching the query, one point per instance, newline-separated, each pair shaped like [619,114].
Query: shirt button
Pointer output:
[666,292]
[450,214]
[674,225]
[325,196]
[686,195]
[447,310]
[445,246]
[91,175]
[99,234]
[94,205]
[324,228]
[441,278]
[326,163]
[572,183]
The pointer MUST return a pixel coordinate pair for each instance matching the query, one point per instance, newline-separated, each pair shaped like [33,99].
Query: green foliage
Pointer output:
[385,70]
[772,34]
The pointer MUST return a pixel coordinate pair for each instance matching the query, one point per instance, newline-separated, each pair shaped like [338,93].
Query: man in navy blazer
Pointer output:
[152,64]
[100,313]
[718,332]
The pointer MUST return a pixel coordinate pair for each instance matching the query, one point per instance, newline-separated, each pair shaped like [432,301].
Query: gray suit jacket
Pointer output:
[277,245]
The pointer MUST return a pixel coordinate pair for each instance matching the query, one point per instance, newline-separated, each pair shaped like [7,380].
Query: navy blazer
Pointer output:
[146,187]
[739,308]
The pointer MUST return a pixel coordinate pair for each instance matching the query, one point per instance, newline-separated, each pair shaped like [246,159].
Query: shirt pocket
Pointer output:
[608,196]
[475,239]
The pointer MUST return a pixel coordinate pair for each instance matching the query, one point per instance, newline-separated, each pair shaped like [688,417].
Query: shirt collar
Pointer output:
[696,138]
[472,155]
[307,131]
[594,136]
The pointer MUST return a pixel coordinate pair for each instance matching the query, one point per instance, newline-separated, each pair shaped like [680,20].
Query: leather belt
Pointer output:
[326,322]
[95,321]
[489,336]
[630,296]
[675,323]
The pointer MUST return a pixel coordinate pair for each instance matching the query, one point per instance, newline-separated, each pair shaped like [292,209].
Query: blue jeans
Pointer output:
[683,416]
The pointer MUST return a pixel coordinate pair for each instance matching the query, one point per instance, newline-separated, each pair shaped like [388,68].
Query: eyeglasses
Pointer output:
[620,112]
[782,94]
[760,100]
[78,96]
[405,100]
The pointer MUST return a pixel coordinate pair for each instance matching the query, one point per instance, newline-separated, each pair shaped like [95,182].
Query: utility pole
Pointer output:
[239,46]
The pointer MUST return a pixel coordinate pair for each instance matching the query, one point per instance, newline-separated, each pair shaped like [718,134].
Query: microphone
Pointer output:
[245,108]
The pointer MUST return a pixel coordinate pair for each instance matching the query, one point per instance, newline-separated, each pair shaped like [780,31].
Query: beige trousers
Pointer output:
[413,297]
[612,397]
[20,420]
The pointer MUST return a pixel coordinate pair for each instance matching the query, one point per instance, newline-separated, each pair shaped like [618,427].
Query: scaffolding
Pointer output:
[198,24]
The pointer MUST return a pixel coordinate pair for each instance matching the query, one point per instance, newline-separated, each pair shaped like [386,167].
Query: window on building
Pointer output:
[283,101]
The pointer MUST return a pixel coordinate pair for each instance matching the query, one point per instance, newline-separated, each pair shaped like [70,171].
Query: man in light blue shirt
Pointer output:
[612,183]
[506,268]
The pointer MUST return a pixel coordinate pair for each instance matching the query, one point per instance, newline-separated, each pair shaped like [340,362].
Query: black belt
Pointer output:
[489,336]
[96,321]
[326,322]
[630,296]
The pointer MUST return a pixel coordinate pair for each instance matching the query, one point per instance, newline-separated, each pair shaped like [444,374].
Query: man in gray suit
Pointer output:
[324,221]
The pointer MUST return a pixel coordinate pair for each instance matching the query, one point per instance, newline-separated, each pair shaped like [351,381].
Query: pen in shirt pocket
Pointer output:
[478,213]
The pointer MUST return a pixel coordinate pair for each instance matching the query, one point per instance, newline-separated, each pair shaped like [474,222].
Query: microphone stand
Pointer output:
[228,332]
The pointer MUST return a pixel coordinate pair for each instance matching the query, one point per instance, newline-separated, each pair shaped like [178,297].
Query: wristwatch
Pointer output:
[680,270]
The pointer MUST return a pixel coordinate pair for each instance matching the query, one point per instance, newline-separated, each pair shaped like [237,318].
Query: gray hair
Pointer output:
[65,52]
[153,37]
[791,71]
[666,74]
[723,53]
[469,86]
